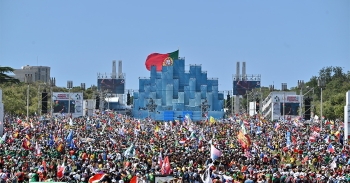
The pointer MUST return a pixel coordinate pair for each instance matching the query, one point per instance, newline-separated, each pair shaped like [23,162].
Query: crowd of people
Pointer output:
[110,147]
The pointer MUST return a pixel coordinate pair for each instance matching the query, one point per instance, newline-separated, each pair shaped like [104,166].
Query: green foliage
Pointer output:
[14,96]
[4,78]
[337,83]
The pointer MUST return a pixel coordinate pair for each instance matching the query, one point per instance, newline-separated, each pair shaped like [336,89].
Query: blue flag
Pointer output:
[70,136]
[51,141]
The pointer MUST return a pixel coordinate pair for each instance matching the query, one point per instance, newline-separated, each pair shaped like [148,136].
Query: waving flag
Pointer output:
[71,122]
[244,140]
[60,147]
[70,136]
[51,141]
[212,120]
[188,119]
[72,144]
[60,170]
[133,179]
[159,60]
[215,153]
[3,138]
[326,139]
[130,151]
[166,166]
[97,178]
[330,148]
[206,176]
[25,144]
[243,129]
[277,126]
[37,149]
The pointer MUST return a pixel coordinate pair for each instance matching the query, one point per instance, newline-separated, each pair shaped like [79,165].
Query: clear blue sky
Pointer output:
[284,41]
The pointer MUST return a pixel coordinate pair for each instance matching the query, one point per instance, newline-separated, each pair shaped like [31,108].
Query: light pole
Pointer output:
[284,88]
[52,84]
[301,86]
[69,86]
[28,78]
[321,83]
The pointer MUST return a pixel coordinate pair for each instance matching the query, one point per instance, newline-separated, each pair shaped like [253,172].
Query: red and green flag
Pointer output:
[159,60]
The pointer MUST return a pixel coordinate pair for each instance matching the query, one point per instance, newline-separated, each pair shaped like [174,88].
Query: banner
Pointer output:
[288,139]
[63,101]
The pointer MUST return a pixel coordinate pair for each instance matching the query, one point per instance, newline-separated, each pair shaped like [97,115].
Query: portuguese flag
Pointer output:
[160,60]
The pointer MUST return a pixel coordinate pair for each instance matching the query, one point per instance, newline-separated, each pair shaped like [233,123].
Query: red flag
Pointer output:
[305,160]
[294,140]
[97,178]
[60,170]
[159,60]
[133,179]
[25,144]
[166,166]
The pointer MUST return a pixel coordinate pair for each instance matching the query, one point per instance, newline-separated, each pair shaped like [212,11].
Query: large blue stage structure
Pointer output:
[173,93]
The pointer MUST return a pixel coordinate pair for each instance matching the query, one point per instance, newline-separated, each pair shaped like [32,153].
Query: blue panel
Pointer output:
[215,98]
[209,85]
[210,100]
[142,100]
[176,88]
[163,96]
[159,88]
[215,82]
[136,103]
[203,91]
[187,95]
[186,79]
[198,78]
[204,78]
[152,95]
[181,97]
[153,76]
[192,71]
[221,96]
[147,90]
[136,95]
[168,115]
[178,106]
[158,102]
[220,105]
[192,86]
[197,99]
[192,103]
[159,116]
[169,95]
[159,75]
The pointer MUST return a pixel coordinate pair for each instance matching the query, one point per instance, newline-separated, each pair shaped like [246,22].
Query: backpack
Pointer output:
[186,176]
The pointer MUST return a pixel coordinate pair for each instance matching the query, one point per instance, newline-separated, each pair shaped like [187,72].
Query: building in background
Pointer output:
[39,73]
[173,93]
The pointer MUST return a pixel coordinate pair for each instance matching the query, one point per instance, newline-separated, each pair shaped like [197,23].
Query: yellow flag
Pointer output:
[156,129]
[212,120]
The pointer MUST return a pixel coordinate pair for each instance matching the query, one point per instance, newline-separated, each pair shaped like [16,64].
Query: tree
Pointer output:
[4,78]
